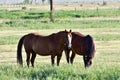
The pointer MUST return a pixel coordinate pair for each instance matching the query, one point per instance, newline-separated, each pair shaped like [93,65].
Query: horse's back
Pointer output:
[38,43]
[81,44]
[78,34]
[78,43]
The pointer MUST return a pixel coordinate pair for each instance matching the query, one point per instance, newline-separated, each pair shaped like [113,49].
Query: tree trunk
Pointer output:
[51,11]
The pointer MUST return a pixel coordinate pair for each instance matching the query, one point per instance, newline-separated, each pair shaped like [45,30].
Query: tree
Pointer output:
[51,11]
[51,8]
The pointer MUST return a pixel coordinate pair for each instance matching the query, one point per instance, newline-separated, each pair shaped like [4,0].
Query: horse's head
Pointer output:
[87,61]
[66,37]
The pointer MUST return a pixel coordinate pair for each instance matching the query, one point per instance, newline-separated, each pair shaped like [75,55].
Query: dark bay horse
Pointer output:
[43,45]
[81,45]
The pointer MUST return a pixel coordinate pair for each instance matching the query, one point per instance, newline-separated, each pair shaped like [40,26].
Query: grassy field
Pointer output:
[101,22]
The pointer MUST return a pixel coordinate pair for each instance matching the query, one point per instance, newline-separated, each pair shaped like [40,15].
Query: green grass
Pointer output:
[36,14]
[107,37]
[64,72]
[9,40]
[59,24]
[22,14]
[87,13]
[106,33]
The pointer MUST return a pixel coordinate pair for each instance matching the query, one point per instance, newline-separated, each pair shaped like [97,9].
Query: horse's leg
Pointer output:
[33,58]
[72,57]
[52,59]
[67,53]
[58,59]
[28,58]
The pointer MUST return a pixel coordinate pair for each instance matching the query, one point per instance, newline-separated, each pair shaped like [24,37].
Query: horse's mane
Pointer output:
[61,32]
[52,34]
[91,46]
[56,33]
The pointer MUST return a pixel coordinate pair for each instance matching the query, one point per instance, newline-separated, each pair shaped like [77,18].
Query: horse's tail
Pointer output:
[91,46]
[19,51]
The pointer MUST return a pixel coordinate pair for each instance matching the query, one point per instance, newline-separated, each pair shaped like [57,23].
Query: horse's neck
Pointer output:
[59,39]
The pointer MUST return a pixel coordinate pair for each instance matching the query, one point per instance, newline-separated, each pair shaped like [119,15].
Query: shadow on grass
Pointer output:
[77,16]
[34,15]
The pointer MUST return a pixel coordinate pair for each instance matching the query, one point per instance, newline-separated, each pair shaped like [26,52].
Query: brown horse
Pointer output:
[43,45]
[81,45]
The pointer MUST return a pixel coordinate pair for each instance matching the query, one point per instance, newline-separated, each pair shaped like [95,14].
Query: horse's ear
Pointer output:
[65,30]
[70,30]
